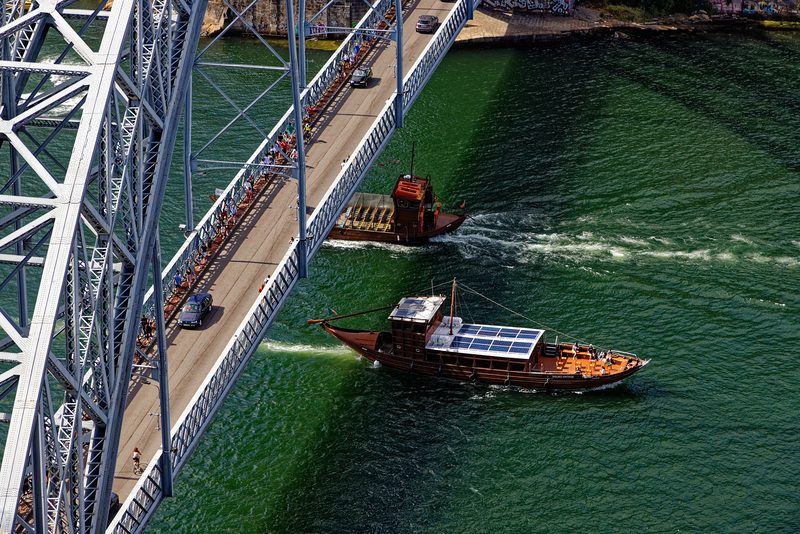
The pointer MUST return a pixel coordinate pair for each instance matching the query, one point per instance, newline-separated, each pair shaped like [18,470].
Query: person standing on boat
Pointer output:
[574,351]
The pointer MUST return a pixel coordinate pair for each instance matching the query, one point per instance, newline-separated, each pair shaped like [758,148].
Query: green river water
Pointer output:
[640,195]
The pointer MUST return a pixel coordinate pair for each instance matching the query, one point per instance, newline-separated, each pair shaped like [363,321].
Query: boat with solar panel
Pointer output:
[410,214]
[425,339]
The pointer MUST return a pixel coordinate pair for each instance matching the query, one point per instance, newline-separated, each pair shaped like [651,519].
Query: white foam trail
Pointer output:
[279,346]
[743,239]
[355,245]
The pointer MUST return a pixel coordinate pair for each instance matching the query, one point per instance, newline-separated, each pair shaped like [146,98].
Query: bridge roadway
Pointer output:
[259,243]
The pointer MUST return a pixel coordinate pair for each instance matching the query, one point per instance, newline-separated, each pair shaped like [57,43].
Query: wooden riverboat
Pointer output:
[409,215]
[425,340]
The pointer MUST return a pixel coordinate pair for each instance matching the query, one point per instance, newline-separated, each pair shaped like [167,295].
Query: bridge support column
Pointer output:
[398,22]
[299,166]
[187,157]
[470,9]
[163,383]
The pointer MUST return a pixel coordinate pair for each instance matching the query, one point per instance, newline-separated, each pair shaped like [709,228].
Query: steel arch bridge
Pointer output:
[91,101]
[90,106]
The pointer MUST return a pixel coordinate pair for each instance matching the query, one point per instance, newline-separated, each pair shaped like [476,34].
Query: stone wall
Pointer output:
[269,16]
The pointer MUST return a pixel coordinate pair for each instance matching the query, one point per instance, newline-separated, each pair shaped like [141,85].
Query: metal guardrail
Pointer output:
[190,426]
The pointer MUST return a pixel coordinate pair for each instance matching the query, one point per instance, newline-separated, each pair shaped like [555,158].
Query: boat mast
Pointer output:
[452,305]
[412,159]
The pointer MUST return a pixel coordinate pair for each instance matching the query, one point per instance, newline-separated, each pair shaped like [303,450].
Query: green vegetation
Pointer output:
[627,13]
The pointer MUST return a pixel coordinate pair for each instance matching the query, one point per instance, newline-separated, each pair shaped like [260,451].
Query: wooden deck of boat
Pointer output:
[567,363]
[257,245]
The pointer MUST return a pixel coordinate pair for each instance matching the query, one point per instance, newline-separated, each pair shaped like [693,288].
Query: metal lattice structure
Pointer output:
[91,102]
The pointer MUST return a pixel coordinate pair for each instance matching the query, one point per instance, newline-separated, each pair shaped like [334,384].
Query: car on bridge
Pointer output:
[427,23]
[361,77]
[195,309]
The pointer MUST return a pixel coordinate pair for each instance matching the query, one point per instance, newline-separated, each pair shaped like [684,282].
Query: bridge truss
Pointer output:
[90,102]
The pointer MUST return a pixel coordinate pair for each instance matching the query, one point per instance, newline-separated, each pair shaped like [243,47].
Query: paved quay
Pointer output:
[501,26]
[498,25]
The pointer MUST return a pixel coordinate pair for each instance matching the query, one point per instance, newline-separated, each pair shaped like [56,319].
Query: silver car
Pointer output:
[427,23]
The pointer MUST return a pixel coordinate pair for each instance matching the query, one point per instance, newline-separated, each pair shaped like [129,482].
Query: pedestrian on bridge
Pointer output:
[136,459]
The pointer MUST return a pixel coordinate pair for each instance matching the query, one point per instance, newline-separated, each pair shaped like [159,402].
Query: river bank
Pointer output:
[496,26]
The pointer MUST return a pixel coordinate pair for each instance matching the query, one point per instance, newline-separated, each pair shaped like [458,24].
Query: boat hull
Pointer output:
[376,346]
[447,222]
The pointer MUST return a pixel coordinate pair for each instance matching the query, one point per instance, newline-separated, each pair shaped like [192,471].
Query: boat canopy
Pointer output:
[478,339]
[416,309]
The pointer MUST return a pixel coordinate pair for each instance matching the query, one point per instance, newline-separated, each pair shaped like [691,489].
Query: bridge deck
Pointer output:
[259,243]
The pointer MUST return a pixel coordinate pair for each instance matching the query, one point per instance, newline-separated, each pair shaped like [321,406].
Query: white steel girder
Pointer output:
[89,107]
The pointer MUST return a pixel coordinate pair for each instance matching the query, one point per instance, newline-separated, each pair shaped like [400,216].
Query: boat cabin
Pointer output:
[413,205]
[421,331]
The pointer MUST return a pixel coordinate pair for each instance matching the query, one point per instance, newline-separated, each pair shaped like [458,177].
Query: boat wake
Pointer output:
[279,346]
[355,245]
[506,238]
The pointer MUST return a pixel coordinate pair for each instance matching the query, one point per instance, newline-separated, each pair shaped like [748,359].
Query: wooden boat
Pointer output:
[425,340]
[408,215]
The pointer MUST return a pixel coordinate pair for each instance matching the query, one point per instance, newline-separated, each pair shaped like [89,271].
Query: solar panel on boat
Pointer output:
[460,342]
[488,340]
[497,345]
[528,334]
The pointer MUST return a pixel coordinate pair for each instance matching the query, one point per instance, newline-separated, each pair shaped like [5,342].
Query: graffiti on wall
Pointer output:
[560,7]
[751,7]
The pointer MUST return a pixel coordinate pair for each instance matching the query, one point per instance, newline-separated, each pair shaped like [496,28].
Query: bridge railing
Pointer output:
[322,220]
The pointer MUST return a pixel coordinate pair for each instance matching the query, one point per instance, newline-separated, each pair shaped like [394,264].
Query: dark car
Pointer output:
[427,23]
[195,309]
[361,77]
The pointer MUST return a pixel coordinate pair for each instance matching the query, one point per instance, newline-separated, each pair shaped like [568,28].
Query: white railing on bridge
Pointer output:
[189,428]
